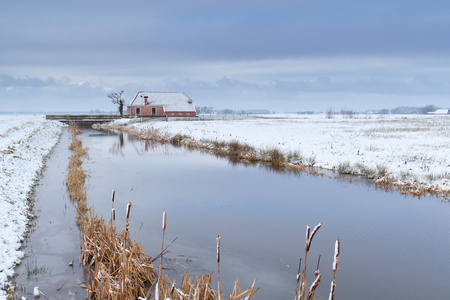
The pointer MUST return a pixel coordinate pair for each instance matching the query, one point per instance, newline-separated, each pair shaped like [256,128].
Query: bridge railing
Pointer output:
[82,117]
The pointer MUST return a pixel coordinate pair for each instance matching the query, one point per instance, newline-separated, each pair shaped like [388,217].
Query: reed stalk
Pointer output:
[127,216]
[219,286]
[337,250]
[113,210]
[164,220]
[300,291]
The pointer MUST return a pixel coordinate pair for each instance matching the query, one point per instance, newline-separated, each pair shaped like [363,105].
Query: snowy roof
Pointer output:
[176,102]
[440,112]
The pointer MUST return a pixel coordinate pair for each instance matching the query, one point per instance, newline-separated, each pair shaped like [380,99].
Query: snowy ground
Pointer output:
[410,149]
[24,143]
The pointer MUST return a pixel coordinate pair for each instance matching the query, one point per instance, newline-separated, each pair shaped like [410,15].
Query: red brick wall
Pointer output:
[180,114]
[147,111]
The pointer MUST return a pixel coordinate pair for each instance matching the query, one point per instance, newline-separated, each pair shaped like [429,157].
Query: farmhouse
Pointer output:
[161,104]
[440,112]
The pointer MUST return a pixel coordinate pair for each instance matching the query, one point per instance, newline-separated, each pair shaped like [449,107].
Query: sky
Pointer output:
[284,56]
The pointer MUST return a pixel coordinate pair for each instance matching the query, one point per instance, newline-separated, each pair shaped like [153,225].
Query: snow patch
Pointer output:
[24,143]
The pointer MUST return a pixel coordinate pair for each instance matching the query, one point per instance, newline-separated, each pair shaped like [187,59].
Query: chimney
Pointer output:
[146,100]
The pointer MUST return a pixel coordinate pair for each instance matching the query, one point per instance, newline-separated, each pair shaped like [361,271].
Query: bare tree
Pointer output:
[116,98]
[329,113]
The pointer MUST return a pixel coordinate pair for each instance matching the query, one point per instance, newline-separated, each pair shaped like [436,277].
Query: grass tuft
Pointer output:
[344,168]
[34,268]
[177,139]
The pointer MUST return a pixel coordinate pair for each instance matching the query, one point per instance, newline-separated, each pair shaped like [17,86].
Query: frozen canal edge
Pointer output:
[22,160]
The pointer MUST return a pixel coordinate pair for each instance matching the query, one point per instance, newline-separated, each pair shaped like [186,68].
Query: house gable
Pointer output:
[164,103]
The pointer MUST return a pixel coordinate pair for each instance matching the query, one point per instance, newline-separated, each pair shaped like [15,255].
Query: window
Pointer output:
[188,114]
[138,111]
[180,114]
[153,111]
[172,114]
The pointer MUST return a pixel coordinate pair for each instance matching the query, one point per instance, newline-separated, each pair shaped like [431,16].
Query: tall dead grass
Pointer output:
[199,287]
[120,269]
[76,176]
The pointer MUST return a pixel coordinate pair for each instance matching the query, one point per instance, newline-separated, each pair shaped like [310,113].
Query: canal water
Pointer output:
[52,247]
[392,246]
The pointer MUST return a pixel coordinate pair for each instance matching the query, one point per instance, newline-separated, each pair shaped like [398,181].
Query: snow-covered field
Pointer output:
[25,140]
[407,148]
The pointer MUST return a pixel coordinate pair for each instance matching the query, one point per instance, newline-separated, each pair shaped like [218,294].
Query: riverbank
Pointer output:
[25,141]
[409,152]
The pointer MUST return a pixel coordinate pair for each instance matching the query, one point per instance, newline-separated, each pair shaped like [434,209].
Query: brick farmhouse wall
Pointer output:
[181,114]
[146,110]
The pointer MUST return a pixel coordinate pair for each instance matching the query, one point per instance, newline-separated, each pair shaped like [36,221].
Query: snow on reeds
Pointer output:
[301,292]
[337,250]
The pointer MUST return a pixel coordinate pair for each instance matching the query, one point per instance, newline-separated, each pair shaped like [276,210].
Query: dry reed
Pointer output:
[196,287]
[337,250]
[199,287]
[301,292]
[76,176]
[119,267]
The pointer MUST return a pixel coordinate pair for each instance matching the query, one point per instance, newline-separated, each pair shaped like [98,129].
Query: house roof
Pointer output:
[176,102]
[440,111]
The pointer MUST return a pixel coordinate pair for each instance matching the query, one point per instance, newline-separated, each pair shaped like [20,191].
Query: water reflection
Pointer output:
[142,146]
[392,246]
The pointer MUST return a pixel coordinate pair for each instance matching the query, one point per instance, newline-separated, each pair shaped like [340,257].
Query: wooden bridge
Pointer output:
[83,120]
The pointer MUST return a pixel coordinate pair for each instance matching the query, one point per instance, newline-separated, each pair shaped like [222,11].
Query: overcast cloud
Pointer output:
[280,55]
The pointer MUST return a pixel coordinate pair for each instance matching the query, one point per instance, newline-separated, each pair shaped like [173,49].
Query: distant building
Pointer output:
[439,112]
[161,104]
